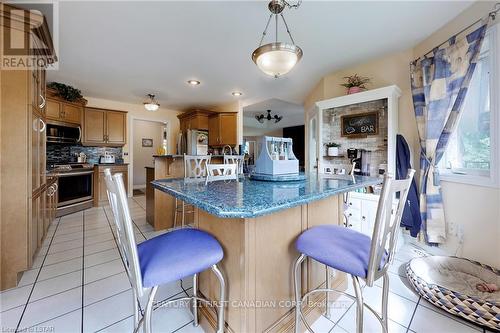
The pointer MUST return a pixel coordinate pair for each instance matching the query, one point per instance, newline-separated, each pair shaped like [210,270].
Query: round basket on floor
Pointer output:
[450,283]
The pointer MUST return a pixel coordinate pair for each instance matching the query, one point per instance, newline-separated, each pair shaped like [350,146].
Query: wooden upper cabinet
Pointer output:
[194,120]
[94,130]
[72,113]
[222,129]
[213,131]
[60,110]
[53,109]
[116,127]
[104,127]
[228,128]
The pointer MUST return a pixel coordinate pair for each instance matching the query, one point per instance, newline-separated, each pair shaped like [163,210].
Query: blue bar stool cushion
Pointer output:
[337,247]
[177,254]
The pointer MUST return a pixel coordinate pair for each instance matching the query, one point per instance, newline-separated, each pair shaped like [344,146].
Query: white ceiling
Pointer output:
[293,115]
[122,50]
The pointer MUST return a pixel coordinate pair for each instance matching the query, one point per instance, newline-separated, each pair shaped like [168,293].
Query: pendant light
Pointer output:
[151,104]
[277,58]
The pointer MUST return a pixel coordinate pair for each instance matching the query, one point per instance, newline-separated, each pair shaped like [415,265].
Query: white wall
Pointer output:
[143,156]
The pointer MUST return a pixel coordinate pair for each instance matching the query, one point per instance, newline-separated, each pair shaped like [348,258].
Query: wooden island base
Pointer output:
[258,260]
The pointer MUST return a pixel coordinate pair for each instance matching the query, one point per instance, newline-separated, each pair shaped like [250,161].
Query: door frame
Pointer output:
[309,114]
[131,146]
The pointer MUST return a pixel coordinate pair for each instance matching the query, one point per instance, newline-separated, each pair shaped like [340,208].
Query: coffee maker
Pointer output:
[359,158]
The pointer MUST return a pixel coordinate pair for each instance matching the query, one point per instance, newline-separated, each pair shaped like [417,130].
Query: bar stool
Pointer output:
[162,259]
[354,253]
[235,159]
[194,169]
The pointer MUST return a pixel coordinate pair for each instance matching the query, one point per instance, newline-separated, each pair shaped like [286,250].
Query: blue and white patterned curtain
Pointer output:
[439,86]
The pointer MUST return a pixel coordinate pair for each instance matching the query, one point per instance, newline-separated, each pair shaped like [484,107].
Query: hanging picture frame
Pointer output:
[147,142]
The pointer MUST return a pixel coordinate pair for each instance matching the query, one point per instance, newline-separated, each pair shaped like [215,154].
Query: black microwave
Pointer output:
[67,133]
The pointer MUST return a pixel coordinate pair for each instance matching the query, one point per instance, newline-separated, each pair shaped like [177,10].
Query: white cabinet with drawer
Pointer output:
[361,211]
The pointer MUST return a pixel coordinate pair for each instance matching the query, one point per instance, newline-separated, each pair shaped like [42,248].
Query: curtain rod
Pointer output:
[492,15]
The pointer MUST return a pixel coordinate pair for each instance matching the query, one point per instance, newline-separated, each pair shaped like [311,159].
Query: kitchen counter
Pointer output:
[247,198]
[257,224]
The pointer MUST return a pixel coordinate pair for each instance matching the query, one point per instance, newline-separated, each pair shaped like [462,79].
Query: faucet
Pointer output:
[224,150]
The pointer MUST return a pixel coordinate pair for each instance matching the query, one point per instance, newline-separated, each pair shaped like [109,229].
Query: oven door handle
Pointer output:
[79,173]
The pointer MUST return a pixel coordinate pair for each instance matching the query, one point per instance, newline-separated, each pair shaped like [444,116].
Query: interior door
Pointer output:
[313,141]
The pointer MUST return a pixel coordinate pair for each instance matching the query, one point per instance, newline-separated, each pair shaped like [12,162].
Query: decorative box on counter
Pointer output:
[276,157]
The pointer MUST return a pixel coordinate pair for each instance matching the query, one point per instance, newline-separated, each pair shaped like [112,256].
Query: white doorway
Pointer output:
[312,130]
[148,137]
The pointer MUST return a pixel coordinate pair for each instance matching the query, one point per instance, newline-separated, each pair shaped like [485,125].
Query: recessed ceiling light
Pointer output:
[236,93]
[193,82]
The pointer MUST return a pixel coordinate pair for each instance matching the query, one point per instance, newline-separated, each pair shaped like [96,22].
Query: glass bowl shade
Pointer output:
[276,59]
[151,106]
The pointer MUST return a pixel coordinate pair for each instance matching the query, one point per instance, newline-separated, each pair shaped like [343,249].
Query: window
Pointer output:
[471,154]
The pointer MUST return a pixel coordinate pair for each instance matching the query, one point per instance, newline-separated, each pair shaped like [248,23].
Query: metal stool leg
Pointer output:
[222,298]
[195,302]
[297,279]
[149,310]
[385,298]
[359,304]
[327,294]
[136,308]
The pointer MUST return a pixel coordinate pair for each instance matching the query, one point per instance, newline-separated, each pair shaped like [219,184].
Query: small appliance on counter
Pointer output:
[82,158]
[361,160]
[107,158]
[276,157]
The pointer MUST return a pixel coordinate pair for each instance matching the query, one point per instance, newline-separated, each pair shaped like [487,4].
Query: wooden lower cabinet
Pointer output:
[43,213]
[100,196]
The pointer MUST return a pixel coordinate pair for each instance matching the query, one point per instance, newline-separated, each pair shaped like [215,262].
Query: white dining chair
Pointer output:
[235,159]
[216,172]
[195,168]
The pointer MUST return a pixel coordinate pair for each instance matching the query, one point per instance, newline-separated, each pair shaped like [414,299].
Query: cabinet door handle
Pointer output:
[41,106]
[43,125]
[363,218]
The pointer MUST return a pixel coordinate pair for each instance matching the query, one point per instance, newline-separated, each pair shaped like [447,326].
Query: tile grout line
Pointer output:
[34,283]
[83,271]
[74,248]
[178,329]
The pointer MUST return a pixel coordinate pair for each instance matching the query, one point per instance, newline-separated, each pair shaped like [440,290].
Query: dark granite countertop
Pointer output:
[246,198]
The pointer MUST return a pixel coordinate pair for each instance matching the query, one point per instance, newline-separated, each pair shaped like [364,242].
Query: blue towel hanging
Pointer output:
[411,219]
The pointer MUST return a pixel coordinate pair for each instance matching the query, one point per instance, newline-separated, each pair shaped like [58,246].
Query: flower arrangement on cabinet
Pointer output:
[355,83]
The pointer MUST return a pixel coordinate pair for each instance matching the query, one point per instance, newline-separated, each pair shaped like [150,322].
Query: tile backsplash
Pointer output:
[59,153]
[376,145]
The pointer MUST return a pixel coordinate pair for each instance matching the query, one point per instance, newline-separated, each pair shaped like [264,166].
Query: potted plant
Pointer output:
[355,83]
[332,148]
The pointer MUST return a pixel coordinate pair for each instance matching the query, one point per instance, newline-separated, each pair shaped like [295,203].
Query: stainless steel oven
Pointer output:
[76,188]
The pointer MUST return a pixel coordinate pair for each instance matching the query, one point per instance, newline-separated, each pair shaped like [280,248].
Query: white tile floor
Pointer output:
[78,284]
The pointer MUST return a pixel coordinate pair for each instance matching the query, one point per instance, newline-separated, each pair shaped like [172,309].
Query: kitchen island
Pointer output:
[257,223]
